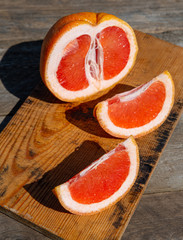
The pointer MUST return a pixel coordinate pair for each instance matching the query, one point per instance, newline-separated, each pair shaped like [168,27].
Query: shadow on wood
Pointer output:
[82,115]
[7,119]
[19,72]
[41,190]
[20,68]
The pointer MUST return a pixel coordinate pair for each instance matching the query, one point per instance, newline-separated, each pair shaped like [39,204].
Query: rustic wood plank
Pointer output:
[13,230]
[174,37]
[20,62]
[48,141]
[155,211]
[29,24]
[7,100]
[161,18]
[168,175]
[23,19]
[23,57]
[158,216]
[152,5]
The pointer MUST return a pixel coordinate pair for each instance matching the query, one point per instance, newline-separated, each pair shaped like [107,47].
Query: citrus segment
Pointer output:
[102,183]
[71,70]
[116,50]
[139,111]
[84,55]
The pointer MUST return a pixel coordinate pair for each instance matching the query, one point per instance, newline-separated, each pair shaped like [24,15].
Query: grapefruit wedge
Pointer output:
[139,111]
[103,183]
[84,55]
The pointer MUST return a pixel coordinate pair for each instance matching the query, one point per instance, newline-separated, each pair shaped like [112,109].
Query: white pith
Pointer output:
[74,206]
[95,85]
[108,125]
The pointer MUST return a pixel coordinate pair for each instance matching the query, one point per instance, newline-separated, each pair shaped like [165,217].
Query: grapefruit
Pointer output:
[103,183]
[84,55]
[139,111]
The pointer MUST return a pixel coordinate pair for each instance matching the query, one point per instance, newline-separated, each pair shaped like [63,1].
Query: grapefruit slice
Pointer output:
[84,55]
[139,111]
[103,183]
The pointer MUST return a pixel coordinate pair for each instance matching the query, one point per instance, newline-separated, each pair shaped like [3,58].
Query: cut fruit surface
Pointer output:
[102,183]
[139,111]
[116,51]
[84,55]
[71,69]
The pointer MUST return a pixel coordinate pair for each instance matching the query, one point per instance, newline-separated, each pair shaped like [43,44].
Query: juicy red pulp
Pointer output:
[71,69]
[140,110]
[103,181]
[115,49]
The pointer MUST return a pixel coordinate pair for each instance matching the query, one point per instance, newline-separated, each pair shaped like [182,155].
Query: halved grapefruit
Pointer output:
[103,183]
[139,111]
[84,55]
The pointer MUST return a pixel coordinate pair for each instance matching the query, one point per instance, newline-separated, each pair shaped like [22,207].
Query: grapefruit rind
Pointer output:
[63,194]
[68,29]
[101,110]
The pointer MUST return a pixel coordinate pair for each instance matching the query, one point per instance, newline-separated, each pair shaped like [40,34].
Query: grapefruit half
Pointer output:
[139,111]
[84,55]
[103,183]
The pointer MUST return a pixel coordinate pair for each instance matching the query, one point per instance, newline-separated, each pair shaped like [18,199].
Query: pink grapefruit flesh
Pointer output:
[116,50]
[84,55]
[100,183]
[140,110]
[71,69]
[115,47]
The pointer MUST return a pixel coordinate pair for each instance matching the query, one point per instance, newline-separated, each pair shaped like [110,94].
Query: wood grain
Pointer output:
[157,211]
[168,175]
[14,230]
[49,141]
[23,23]
[163,19]
[27,21]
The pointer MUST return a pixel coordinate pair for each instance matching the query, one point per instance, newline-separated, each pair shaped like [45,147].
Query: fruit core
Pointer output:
[140,110]
[102,181]
[103,58]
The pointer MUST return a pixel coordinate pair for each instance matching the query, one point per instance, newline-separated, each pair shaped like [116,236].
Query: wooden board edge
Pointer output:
[29,224]
[51,235]
[147,182]
[157,38]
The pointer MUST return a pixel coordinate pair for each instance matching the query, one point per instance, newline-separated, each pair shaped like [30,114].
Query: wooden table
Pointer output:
[23,25]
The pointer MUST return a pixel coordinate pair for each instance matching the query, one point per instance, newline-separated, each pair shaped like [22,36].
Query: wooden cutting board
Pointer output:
[49,141]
